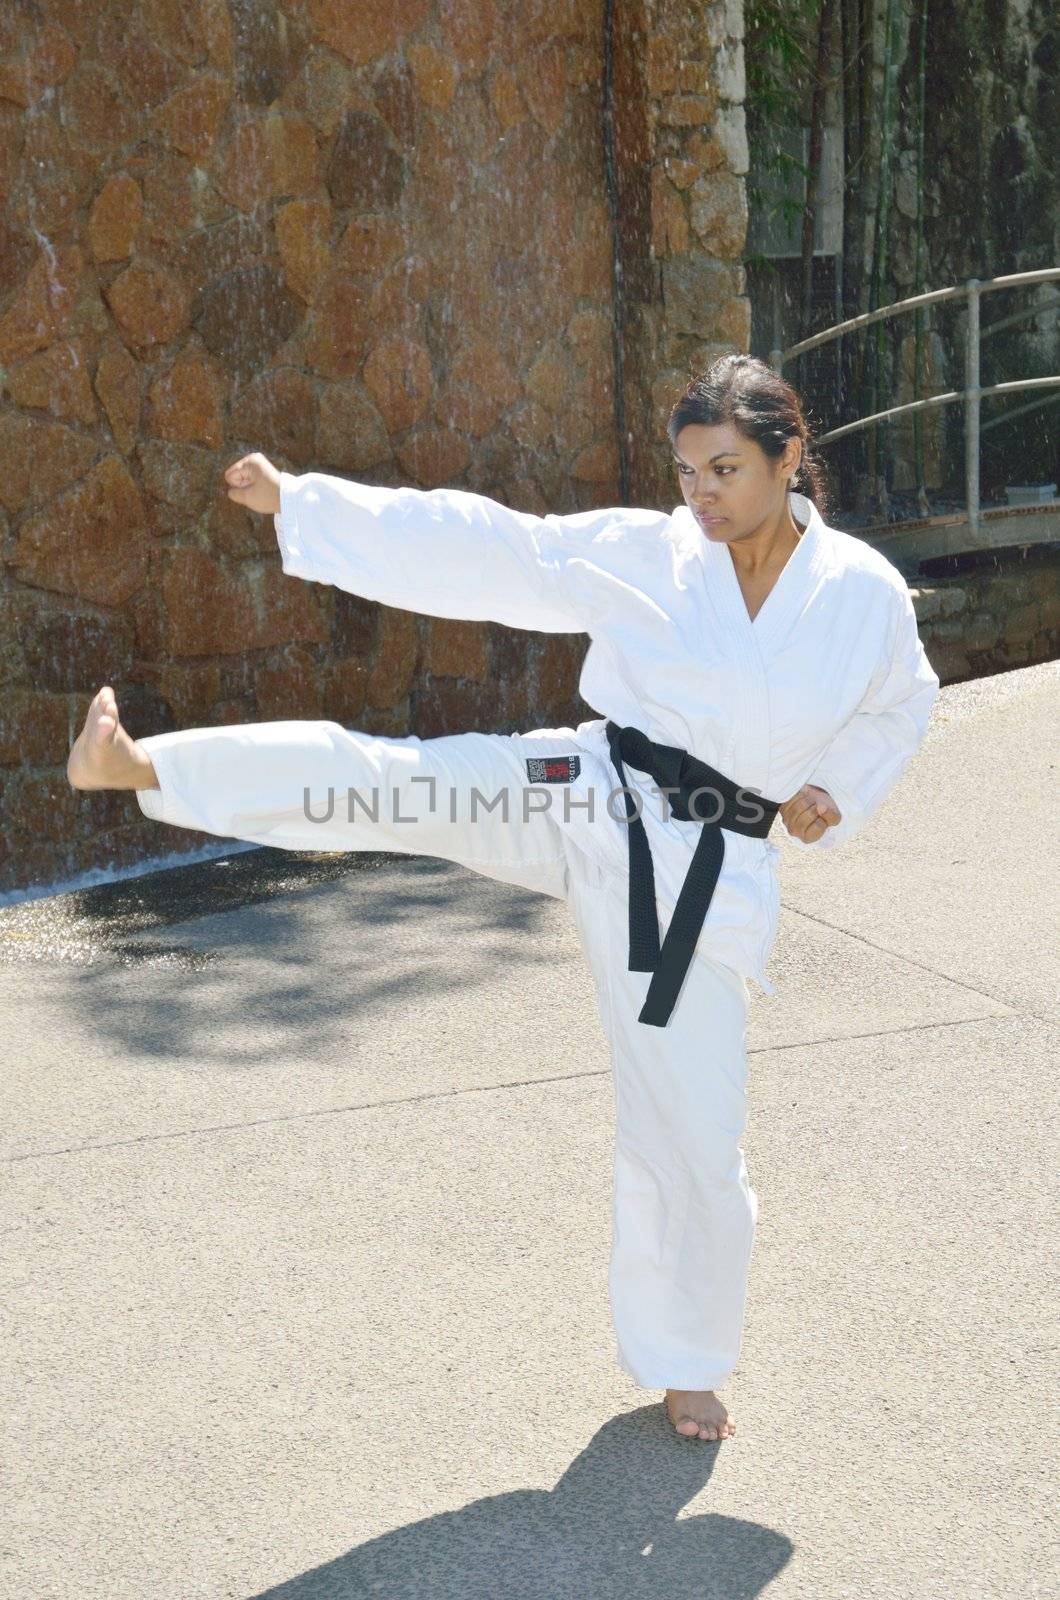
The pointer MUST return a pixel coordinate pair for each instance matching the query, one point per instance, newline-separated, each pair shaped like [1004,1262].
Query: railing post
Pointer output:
[971,411]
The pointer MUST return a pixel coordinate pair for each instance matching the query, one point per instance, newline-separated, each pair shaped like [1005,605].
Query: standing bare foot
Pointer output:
[698,1414]
[103,756]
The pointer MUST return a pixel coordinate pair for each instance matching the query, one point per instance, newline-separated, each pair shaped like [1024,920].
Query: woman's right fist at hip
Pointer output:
[254,482]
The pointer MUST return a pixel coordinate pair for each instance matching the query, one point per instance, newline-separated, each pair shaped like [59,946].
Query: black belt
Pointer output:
[674,769]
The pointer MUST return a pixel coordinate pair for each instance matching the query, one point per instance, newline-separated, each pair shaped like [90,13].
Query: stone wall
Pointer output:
[370,239]
[1002,611]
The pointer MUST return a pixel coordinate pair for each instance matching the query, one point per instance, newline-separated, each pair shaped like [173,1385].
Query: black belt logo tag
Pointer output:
[553,769]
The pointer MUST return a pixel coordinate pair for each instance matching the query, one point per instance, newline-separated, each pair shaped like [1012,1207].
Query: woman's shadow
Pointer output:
[609,1530]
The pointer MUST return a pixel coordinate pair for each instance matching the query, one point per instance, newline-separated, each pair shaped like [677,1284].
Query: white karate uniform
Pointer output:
[828,685]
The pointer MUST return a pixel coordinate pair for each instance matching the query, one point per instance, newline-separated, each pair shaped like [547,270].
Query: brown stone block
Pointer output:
[234,532]
[390,722]
[351,435]
[52,178]
[457,649]
[285,610]
[34,728]
[210,611]
[186,403]
[687,110]
[145,75]
[399,299]
[343,690]
[341,328]
[264,607]
[115,218]
[467,408]
[532,427]
[89,542]
[323,89]
[146,613]
[588,266]
[589,334]
[707,151]
[584,68]
[555,19]
[366,170]
[42,813]
[508,105]
[11,134]
[354,626]
[670,233]
[303,237]
[468,29]
[432,456]
[269,158]
[234,712]
[245,317]
[719,214]
[43,311]
[513,706]
[177,474]
[398,376]
[95,115]
[191,118]
[189,689]
[578,426]
[364,32]
[559,667]
[56,380]
[45,60]
[543,81]
[150,306]
[694,77]
[40,458]
[682,174]
[370,245]
[205,254]
[594,380]
[396,658]
[180,26]
[288,685]
[598,463]
[277,414]
[67,652]
[450,705]
[549,378]
[438,176]
[483,364]
[661,66]
[435,75]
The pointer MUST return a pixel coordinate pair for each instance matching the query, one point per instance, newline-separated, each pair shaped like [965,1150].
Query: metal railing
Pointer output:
[971,394]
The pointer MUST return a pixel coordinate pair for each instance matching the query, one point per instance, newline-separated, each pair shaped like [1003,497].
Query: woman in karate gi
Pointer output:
[740,629]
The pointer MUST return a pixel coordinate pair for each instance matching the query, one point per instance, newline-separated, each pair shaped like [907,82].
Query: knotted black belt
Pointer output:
[676,771]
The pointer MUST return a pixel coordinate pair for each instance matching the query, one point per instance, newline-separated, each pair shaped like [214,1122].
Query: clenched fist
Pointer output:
[809,813]
[254,482]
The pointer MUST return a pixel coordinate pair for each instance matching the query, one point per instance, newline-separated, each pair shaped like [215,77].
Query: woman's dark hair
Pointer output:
[764,407]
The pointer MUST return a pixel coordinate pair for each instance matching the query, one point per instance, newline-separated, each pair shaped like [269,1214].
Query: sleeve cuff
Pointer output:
[285,522]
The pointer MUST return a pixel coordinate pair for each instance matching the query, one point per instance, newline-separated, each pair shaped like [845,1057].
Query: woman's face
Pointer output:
[729,483]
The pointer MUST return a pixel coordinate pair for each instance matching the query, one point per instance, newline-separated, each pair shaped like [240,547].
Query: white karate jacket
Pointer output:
[829,684]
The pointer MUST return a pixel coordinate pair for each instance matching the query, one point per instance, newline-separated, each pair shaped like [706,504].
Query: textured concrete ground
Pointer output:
[306,1228]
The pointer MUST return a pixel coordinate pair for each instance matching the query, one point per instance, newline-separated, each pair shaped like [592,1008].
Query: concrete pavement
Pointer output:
[307,1220]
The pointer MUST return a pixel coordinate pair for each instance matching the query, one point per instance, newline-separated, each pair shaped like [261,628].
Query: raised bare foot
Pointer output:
[103,756]
[698,1414]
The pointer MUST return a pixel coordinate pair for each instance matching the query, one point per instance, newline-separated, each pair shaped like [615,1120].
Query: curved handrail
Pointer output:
[972,394]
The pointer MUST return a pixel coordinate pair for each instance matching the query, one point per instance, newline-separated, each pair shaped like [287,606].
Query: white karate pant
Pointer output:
[684,1212]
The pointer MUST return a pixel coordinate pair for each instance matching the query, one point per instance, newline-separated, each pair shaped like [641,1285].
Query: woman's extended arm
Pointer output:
[444,552]
[870,752]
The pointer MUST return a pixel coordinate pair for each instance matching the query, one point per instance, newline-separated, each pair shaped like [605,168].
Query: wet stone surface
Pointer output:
[105,923]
